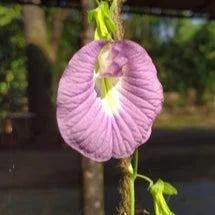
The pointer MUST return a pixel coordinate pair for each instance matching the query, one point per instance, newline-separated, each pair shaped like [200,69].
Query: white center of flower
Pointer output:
[107,76]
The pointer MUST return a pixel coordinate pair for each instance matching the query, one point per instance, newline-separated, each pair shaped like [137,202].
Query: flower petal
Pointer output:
[85,119]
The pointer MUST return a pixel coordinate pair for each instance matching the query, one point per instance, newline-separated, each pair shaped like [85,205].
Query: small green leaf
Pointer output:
[91,15]
[157,190]
[169,189]
[158,186]
[163,205]
[110,24]
[105,26]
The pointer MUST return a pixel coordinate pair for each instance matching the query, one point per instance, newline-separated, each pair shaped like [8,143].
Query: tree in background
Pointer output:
[41,55]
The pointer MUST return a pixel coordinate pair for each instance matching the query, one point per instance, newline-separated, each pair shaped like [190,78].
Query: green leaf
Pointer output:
[109,24]
[164,208]
[108,18]
[169,189]
[105,26]
[158,186]
[91,15]
[157,190]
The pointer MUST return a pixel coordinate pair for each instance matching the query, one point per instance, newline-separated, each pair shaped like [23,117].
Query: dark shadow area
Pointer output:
[39,95]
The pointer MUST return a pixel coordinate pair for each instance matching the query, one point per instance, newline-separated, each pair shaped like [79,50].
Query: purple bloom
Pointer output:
[108,98]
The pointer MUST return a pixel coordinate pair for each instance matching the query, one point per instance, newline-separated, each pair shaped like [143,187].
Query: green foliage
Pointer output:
[13,81]
[183,51]
[185,30]
[193,61]
[8,14]
[102,15]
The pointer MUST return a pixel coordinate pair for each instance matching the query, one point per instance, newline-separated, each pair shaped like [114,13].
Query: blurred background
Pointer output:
[39,174]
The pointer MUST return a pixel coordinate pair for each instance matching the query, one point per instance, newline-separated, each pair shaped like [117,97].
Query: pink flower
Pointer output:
[108,97]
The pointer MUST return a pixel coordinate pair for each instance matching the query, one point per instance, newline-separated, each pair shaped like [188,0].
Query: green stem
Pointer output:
[145,178]
[135,163]
[132,179]
[132,196]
